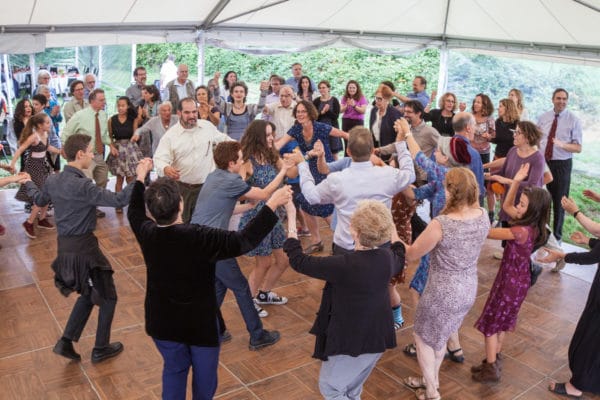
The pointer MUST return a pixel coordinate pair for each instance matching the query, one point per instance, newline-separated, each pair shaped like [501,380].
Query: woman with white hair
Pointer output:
[354,325]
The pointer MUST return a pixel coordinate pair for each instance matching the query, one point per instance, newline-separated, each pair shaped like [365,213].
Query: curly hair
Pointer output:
[313,114]
[20,109]
[442,100]
[254,143]
[372,221]
[531,132]
[310,86]
[462,189]
[487,107]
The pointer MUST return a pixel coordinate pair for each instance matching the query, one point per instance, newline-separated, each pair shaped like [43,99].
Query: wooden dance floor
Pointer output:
[33,314]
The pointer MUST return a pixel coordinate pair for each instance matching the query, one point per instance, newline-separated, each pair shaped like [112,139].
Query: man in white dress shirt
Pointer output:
[185,153]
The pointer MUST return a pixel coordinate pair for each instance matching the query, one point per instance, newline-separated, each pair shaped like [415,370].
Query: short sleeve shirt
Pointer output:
[217,199]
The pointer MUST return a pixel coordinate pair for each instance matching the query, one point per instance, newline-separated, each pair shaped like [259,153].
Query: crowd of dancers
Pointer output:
[237,178]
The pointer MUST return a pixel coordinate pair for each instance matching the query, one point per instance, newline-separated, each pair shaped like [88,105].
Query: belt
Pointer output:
[190,185]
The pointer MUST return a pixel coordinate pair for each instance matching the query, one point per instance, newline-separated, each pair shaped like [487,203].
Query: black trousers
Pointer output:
[104,294]
[559,187]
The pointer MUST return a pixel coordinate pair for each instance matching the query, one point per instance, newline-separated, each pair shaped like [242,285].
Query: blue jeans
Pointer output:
[229,276]
[178,358]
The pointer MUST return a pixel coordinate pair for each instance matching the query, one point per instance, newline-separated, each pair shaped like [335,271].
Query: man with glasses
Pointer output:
[77,103]
[90,84]
[134,92]
[281,112]
[181,87]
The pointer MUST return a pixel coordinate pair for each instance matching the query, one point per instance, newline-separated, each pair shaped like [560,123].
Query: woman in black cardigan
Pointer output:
[354,325]
[383,116]
[584,349]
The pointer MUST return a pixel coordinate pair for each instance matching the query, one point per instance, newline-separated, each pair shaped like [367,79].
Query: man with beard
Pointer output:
[185,153]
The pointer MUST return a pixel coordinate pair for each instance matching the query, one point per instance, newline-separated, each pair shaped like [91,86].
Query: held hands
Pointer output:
[522,173]
[143,168]
[113,150]
[296,157]
[590,194]
[401,127]
[134,138]
[171,172]
[287,164]
[318,149]
[280,197]
[553,255]
[264,85]
[22,177]
[569,205]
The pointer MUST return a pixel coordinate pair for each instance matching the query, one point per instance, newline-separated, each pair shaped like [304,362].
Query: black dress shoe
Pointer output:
[65,349]
[102,353]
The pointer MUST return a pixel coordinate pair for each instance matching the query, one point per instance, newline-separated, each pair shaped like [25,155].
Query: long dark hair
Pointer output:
[310,86]
[537,214]
[225,82]
[131,111]
[254,143]
[20,109]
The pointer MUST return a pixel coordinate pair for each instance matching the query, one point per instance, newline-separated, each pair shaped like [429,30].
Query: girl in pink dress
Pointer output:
[527,230]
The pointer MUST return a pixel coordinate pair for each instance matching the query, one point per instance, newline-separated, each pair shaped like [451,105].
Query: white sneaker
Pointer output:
[270,298]
[498,255]
[260,311]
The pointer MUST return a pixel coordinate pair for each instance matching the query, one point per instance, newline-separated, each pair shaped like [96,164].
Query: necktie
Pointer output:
[551,136]
[98,139]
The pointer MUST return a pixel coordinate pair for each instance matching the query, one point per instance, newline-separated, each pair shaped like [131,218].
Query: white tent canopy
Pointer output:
[565,29]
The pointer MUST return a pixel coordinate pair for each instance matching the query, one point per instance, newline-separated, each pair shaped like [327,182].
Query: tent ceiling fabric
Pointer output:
[568,29]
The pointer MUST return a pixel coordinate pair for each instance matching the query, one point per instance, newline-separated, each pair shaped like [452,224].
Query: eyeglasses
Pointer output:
[88,82]
[378,98]
[301,112]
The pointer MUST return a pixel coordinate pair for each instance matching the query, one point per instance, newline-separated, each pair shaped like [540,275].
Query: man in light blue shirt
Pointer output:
[419,86]
[566,140]
[295,78]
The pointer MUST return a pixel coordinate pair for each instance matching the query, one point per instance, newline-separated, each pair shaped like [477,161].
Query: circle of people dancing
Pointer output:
[230,184]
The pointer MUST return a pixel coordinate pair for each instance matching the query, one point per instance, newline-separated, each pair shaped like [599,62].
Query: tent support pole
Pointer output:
[133,58]
[9,84]
[32,73]
[99,67]
[201,43]
[442,74]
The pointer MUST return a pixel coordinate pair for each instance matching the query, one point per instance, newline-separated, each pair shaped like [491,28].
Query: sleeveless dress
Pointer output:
[320,132]
[37,167]
[511,284]
[262,176]
[451,287]
[125,163]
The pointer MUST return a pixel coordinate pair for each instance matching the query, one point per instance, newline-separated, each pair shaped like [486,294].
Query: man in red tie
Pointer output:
[562,136]
[93,121]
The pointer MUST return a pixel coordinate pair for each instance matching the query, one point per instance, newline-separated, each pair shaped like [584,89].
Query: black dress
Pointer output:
[442,124]
[584,350]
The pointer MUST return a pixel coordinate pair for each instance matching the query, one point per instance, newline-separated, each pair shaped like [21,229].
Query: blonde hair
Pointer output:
[443,99]
[511,112]
[462,189]
[373,223]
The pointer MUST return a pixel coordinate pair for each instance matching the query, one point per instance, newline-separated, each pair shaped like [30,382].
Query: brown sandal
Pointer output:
[314,248]
[414,382]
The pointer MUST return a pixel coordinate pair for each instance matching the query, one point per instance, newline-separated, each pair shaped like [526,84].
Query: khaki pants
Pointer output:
[98,171]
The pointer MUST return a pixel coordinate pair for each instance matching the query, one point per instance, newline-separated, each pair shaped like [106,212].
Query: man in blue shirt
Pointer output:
[419,86]
[561,137]
[214,207]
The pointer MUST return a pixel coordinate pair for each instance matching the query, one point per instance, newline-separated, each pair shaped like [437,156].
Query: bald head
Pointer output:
[464,124]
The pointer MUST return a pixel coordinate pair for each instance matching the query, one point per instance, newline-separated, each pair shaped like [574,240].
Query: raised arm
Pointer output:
[509,201]
[572,208]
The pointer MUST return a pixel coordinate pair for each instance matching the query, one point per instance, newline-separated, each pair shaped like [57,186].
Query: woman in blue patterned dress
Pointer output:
[306,131]
[261,165]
